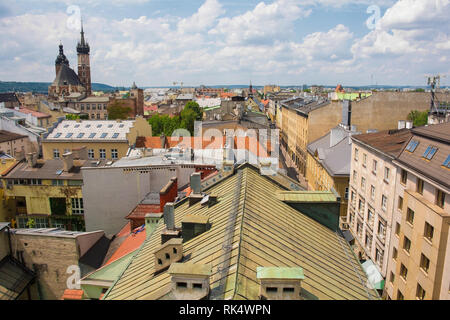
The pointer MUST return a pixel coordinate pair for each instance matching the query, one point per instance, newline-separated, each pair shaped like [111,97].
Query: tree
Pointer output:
[72,117]
[418,118]
[194,106]
[419,90]
[118,111]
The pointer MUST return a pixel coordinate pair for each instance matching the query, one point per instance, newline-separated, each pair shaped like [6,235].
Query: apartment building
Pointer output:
[14,144]
[419,259]
[372,189]
[103,139]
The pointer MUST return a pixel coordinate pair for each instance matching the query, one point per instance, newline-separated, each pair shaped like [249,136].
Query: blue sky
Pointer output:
[288,42]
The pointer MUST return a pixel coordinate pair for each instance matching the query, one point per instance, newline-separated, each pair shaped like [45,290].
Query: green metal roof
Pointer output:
[306,196]
[280,273]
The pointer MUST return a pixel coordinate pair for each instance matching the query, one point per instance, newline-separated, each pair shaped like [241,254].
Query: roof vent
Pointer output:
[280,283]
[190,281]
[168,253]
[194,225]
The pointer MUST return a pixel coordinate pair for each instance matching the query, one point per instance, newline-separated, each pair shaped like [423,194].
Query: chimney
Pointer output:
[151,222]
[20,155]
[80,153]
[67,161]
[409,124]
[196,181]
[31,159]
[168,193]
[163,141]
[169,216]
[190,281]
[401,124]
[346,113]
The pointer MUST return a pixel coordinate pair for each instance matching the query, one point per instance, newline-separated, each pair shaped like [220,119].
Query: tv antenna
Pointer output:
[434,82]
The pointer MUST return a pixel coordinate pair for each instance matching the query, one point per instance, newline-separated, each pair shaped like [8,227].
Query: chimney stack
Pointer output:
[31,159]
[346,113]
[168,193]
[401,124]
[409,124]
[169,218]
[196,183]
[67,161]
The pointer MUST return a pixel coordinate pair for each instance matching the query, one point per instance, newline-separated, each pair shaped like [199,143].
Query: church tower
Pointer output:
[60,59]
[84,66]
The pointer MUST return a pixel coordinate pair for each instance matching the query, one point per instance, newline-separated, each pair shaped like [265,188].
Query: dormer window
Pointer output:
[159,261]
[280,283]
[182,285]
[167,256]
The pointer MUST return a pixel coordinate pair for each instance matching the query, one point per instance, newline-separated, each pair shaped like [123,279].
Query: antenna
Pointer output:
[435,82]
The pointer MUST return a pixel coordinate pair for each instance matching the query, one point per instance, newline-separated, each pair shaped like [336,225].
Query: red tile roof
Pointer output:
[131,243]
[142,209]
[36,114]
[70,294]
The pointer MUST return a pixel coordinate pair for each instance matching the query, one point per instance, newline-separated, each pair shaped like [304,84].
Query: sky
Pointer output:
[225,42]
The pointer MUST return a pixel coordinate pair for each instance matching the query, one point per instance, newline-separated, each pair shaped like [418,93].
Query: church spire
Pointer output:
[83,46]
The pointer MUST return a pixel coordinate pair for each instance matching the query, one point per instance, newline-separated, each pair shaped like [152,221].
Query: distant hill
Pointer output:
[42,87]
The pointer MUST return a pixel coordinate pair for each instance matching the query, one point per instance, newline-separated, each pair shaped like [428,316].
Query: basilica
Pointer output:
[68,83]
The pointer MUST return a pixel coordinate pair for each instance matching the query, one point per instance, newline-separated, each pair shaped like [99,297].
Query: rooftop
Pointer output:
[36,114]
[389,142]
[9,136]
[250,228]
[91,130]
[280,273]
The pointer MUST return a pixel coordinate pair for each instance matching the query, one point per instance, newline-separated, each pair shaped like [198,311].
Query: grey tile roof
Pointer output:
[66,76]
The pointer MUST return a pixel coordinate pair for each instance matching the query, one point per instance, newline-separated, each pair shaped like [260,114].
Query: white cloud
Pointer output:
[204,18]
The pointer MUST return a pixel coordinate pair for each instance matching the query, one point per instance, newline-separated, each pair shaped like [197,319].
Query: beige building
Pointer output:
[372,189]
[103,139]
[95,107]
[419,259]
[14,144]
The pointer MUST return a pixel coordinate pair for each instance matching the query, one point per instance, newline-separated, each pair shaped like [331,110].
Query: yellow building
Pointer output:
[328,164]
[46,193]
[7,206]
[103,139]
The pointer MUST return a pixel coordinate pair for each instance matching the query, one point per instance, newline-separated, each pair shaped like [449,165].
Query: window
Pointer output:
[82,107]
[412,146]
[346,194]
[159,261]
[368,241]
[104,107]
[372,192]
[379,256]
[98,116]
[406,244]
[420,293]
[387,172]
[88,126]
[197,286]
[174,249]
[91,153]
[114,154]
[77,206]
[58,135]
[271,289]
[410,216]
[94,107]
[394,253]
[56,153]
[99,126]
[403,272]
[92,116]
[384,202]
[424,263]
[370,214]
[66,151]
[77,126]
[392,279]
[182,285]
[356,154]
[400,203]
[92,135]
[110,125]
[361,206]
[428,232]
[80,135]
[40,223]
[430,152]
[400,295]
[364,159]
[102,154]
[355,176]
[397,228]
[288,290]
[88,107]
[121,126]
[363,184]
[440,198]
[447,162]
[419,187]
[75,182]
[115,135]
[374,167]
[381,228]
[57,182]
[103,136]
[167,256]
[404,177]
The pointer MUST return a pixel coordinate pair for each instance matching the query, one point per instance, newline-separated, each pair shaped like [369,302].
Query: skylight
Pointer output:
[121,126]
[80,135]
[447,162]
[77,126]
[103,135]
[110,126]
[115,135]
[58,135]
[412,146]
[88,126]
[70,134]
[99,126]
[430,152]
[92,135]
[66,126]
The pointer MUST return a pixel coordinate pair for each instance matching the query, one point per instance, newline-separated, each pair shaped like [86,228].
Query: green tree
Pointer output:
[418,118]
[419,90]
[72,117]
[118,111]
[188,117]
[194,106]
